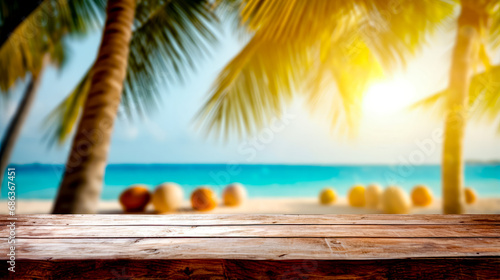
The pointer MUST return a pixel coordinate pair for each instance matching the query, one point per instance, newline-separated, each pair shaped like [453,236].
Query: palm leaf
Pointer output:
[254,87]
[396,30]
[263,78]
[66,114]
[339,81]
[41,32]
[12,13]
[291,35]
[484,97]
[430,102]
[494,11]
[228,11]
[165,47]
[392,29]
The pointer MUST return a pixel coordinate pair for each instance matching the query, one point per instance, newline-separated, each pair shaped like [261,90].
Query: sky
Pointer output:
[388,134]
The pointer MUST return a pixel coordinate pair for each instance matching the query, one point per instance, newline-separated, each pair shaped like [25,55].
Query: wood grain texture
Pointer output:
[239,219]
[464,268]
[252,248]
[337,231]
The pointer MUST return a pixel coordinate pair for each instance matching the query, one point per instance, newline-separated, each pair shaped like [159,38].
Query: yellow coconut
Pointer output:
[470,195]
[395,201]
[135,198]
[234,195]
[167,197]
[421,196]
[356,196]
[327,196]
[203,199]
[373,195]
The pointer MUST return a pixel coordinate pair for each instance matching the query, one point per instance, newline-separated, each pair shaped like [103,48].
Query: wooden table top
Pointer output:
[252,237]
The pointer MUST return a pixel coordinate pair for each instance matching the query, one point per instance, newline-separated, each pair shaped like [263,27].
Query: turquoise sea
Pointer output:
[40,181]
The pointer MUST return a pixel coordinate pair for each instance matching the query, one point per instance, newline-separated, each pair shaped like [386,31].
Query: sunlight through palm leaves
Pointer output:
[292,37]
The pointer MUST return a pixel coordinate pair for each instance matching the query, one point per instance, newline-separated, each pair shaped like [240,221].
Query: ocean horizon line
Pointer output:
[492,162]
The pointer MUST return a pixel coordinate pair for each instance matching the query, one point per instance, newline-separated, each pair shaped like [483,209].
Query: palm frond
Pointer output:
[485,95]
[339,81]
[12,13]
[392,29]
[229,13]
[495,32]
[495,25]
[80,16]
[291,35]
[396,30]
[262,79]
[430,102]
[254,87]
[41,32]
[165,48]
[60,122]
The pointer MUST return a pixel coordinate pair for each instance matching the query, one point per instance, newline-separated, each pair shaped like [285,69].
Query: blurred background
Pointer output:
[216,93]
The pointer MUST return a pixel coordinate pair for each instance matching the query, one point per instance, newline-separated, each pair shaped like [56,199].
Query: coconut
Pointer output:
[135,198]
[327,196]
[356,196]
[421,196]
[203,199]
[373,196]
[395,201]
[234,195]
[167,197]
[470,195]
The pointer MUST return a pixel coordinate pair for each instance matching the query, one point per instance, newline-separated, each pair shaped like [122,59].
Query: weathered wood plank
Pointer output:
[337,231]
[252,248]
[239,219]
[475,268]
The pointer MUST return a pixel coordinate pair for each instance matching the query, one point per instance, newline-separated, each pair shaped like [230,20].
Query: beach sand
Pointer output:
[264,206]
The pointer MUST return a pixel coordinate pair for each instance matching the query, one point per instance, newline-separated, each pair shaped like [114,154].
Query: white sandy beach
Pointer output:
[265,206]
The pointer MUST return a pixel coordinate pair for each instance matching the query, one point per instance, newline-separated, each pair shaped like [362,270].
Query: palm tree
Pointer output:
[168,39]
[15,125]
[90,146]
[28,45]
[473,24]
[165,40]
[457,98]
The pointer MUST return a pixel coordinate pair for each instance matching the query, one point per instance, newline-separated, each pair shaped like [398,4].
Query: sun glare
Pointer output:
[388,97]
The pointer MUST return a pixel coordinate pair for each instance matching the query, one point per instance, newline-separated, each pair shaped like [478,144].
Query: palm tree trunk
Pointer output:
[457,106]
[83,177]
[17,122]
